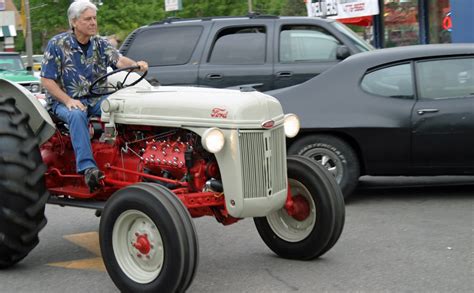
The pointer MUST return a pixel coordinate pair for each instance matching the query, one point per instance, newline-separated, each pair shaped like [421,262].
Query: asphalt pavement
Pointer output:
[400,236]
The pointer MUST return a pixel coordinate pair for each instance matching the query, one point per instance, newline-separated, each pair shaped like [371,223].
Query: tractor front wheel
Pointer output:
[316,224]
[148,240]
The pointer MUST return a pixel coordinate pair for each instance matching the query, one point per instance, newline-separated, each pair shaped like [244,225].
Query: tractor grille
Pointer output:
[262,157]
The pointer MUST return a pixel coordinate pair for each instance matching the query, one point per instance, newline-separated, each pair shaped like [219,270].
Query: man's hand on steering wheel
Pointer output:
[143,66]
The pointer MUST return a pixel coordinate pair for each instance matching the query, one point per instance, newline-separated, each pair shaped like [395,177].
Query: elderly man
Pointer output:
[72,61]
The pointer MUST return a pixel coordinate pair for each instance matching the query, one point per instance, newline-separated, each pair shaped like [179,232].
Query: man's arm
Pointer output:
[54,90]
[127,62]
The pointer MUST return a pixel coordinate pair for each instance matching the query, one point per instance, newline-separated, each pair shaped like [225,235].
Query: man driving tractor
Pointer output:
[72,61]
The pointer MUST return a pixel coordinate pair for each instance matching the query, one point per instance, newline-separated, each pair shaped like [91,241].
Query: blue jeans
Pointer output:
[78,122]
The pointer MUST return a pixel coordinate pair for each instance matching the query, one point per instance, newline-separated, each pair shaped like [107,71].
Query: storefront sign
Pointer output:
[341,8]
[173,5]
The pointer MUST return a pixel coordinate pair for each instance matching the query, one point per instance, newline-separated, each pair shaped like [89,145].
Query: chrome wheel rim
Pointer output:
[328,160]
[288,228]
[138,246]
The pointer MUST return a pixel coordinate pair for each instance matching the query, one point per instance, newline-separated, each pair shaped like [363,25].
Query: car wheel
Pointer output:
[22,187]
[313,228]
[334,154]
[148,241]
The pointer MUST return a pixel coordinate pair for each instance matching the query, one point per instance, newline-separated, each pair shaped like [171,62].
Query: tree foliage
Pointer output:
[121,17]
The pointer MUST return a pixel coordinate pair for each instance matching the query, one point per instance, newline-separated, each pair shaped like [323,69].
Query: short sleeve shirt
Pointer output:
[75,70]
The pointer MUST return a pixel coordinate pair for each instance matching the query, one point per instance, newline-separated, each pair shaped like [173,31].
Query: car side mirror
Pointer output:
[342,52]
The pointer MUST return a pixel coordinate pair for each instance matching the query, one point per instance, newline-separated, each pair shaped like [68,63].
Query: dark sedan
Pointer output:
[398,111]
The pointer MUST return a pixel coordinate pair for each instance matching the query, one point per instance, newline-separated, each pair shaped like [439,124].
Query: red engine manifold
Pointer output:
[173,159]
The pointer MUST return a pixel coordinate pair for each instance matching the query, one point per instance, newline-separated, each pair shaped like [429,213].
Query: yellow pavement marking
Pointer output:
[93,264]
[90,242]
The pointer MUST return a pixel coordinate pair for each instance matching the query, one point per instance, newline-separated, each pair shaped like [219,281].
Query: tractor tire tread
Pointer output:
[24,193]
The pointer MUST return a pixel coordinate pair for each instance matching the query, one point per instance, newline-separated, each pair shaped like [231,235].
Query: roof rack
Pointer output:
[251,15]
[258,15]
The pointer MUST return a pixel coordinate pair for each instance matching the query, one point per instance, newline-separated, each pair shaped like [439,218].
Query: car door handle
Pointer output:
[214,76]
[423,111]
[284,74]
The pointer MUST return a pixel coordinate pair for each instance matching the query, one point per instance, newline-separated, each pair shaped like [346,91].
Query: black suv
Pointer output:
[266,52]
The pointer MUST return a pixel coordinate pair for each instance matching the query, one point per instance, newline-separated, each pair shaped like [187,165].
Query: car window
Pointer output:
[241,45]
[394,81]
[354,38]
[11,62]
[448,78]
[37,58]
[306,43]
[165,46]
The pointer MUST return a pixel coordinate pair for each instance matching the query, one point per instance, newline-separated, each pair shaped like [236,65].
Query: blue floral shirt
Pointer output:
[75,70]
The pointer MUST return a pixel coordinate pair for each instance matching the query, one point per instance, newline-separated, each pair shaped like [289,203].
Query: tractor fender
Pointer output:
[40,122]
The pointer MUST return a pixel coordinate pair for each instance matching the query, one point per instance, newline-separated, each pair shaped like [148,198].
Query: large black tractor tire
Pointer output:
[312,236]
[23,193]
[148,240]
[335,155]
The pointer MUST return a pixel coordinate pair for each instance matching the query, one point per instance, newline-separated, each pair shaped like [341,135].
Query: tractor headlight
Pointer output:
[213,140]
[109,106]
[292,125]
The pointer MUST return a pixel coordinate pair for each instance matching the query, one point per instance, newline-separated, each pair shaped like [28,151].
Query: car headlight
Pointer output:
[35,88]
[213,140]
[292,125]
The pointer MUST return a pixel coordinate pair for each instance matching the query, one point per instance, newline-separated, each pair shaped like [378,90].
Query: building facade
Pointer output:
[410,22]
[391,23]
[9,24]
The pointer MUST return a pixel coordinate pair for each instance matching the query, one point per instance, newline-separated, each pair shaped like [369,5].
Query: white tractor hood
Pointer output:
[193,106]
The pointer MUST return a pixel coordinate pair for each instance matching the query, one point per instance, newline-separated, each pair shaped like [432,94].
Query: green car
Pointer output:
[12,69]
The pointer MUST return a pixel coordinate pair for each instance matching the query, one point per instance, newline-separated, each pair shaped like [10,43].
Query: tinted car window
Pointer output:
[447,78]
[239,46]
[165,46]
[306,43]
[394,81]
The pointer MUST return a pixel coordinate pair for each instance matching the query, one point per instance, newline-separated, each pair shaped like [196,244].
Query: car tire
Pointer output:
[313,235]
[334,154]
[170,258]
[22,187]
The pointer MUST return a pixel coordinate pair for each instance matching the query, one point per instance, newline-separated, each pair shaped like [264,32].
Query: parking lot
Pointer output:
[396,239]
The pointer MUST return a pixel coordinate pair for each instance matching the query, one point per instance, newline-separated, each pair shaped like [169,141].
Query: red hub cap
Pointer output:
[142,244]
[300,208]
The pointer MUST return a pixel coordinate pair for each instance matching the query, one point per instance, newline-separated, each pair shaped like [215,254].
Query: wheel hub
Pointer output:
[138,246]
[300,208]
[142,244]
[296,220]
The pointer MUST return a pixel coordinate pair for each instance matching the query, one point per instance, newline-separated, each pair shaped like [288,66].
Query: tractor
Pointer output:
[169,154]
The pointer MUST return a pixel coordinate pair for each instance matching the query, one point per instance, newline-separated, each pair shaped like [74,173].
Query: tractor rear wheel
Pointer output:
[148,240]
[319,219]
[23,193]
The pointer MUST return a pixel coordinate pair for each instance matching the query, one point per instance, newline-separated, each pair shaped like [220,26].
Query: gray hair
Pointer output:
[77,8]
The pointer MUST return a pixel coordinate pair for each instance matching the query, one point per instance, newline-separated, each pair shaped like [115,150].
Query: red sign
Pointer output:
[447,22]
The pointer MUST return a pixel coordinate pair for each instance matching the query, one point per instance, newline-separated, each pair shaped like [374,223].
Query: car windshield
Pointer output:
[11,63]
[37,58]
[353,37]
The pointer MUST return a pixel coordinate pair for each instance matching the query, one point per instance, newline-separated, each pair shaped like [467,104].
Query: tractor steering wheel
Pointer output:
[109,88]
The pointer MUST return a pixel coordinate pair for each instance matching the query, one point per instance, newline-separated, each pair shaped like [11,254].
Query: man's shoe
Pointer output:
[93,176]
